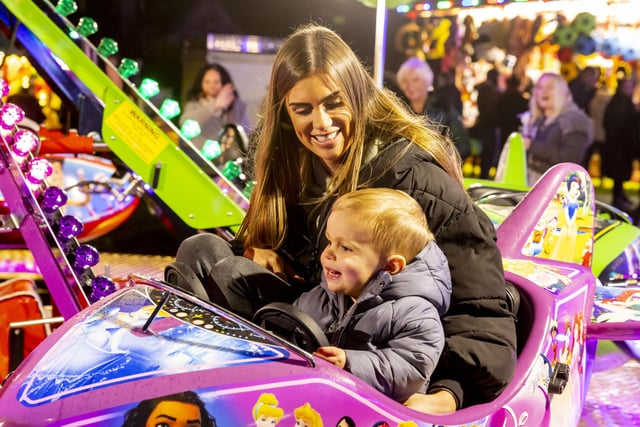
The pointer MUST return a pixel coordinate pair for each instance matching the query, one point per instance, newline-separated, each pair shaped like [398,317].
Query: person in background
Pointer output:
[511,104]
[555,129]
[447,88]
[583,88]
[234,144]
[213,102]
[486,127]
[385,277]
[621,123]
[597,107]
[415,79]
[327,129]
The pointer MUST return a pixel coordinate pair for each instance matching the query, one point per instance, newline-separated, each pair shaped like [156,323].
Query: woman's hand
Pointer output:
[273,262]
[441,402]
[268,259]
[225,98]
[332,354]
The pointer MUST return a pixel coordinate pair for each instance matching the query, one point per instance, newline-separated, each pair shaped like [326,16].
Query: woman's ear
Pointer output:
[395,264]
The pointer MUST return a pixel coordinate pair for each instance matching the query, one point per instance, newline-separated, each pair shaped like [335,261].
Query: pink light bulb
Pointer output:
[39,170]
[25,142]
[10,115]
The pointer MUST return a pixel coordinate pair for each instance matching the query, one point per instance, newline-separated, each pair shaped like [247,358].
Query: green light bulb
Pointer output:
[128,67]
[190,129]
[107,47]
[87,26]
[248,189]
[66,7]
[211,149]
[169,108]
[149,88]
[231,170]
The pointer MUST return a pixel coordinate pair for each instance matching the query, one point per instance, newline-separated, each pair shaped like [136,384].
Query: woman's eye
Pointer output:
[337,103]
[302,111]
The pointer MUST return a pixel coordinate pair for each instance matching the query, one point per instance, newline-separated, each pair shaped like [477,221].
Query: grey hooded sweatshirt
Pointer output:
[392,334]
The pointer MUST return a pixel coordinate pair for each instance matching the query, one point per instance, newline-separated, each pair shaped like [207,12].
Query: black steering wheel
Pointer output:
[292,324]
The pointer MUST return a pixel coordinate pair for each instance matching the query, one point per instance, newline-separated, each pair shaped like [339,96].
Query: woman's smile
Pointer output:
[329,137]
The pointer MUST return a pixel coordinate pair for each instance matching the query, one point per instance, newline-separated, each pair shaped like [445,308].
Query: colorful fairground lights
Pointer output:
[21,144]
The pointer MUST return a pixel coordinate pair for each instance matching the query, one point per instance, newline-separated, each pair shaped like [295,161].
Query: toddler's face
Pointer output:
[350,260]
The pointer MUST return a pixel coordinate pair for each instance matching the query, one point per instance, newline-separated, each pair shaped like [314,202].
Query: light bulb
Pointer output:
[190,129]
[10,115]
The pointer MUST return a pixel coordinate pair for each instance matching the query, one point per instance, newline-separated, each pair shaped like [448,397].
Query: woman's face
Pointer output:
[211,83]
[413,85]
[228,137]
[320,118]
[545,94]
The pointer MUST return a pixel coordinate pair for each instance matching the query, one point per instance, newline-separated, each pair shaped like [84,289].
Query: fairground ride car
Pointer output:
[616,243]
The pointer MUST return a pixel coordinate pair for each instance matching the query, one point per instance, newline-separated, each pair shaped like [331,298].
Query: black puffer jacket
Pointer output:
[479,356]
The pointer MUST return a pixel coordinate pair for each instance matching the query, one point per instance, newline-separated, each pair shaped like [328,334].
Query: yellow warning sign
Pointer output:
[137,131]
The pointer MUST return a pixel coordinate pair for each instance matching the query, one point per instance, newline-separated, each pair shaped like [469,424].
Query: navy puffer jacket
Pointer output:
[392,333]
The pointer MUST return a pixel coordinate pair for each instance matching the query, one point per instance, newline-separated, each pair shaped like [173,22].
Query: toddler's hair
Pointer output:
[395,220]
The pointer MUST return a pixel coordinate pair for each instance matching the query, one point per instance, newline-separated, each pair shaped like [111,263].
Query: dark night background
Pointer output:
[156,32]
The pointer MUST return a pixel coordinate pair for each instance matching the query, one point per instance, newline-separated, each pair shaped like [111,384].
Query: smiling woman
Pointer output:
[557,130]
[327,129]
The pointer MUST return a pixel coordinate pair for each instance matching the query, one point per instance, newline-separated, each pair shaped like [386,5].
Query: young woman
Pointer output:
[213,102]
[326,129]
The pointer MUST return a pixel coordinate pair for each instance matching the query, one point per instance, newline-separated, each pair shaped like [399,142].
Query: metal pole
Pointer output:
[380,46]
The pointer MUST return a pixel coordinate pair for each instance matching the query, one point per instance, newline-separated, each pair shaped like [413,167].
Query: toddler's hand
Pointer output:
[332,354]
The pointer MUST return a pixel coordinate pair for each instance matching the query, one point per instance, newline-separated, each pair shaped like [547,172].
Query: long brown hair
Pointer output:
[281,163]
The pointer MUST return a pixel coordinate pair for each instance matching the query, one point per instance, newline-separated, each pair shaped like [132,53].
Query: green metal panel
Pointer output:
[611,243]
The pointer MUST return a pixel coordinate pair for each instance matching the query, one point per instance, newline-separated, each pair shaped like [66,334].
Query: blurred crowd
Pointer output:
[592,119]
